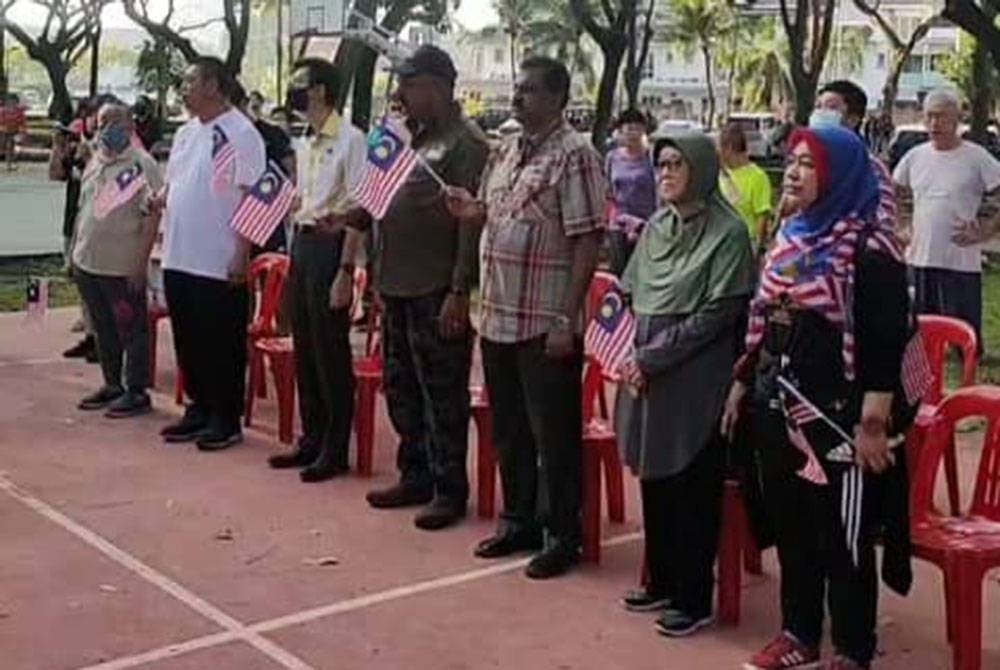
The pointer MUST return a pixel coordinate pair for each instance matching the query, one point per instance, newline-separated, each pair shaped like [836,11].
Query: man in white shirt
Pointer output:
[948,178]
[214,159]
[330,161]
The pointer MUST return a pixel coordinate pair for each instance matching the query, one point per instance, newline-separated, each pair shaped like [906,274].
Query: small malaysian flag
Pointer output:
[264,206]
[797,416]
[390,162]
[916,376]
[610,335]
[223,158]
[36,298]
[119,191]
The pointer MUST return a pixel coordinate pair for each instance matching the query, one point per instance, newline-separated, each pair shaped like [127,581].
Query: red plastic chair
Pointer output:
[269,271]
[939,333]
[280,355]
[964,547]
[486,458]
[368,381]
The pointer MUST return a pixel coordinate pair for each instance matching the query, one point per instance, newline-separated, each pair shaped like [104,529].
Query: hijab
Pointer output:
[681,264]
[812,263]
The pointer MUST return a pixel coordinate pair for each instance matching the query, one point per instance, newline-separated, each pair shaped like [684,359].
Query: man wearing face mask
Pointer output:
[843,103]
[110,251]
[425,265]
[330,161]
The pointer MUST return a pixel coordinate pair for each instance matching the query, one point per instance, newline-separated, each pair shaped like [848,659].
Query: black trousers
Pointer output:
[209,322]
[118,316]
[812,550]
[323,367]
[427,392]
[680,516]
[537,430]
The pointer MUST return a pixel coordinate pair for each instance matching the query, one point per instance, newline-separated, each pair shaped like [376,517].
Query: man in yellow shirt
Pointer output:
[745,185]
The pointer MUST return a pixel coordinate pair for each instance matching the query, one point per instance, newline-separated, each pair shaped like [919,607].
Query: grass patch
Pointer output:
[14,273]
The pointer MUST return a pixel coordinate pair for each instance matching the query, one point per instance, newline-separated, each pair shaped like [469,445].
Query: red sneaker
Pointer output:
[784,652]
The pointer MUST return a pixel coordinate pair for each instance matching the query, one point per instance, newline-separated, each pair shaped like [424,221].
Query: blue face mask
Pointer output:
[115,138]
[825,118]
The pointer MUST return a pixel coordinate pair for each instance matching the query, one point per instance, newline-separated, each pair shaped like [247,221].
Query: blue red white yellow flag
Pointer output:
[390,162]
[264,206]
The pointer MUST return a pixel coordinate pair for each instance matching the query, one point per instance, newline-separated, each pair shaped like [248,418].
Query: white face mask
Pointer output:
[825,118]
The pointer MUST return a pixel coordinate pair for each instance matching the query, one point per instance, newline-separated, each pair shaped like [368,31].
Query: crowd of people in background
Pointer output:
[736,295]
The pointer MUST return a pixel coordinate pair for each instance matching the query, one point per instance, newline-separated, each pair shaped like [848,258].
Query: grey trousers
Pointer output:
[118,317]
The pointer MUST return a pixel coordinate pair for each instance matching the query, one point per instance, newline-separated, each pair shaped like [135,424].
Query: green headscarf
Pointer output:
[680,265]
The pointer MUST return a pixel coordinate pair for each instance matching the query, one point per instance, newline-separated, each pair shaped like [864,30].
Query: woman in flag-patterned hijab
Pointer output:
[827,332]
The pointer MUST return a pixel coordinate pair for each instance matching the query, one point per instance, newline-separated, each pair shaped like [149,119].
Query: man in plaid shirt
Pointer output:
[542,201]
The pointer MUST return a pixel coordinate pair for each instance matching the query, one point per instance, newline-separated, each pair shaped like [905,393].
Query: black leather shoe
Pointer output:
[440,513]
[83,348]
[303,455]
[324,467]
[403,494]
[188,428]
[552,562]
[101,398]
[217,438]
[131,403]
[505,544]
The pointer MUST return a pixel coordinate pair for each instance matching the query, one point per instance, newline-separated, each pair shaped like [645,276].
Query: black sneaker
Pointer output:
[640,600]
[102,398]
[83,348]
[555,561]
[675,623]
[188,428]
[130,403]
[217,438]
[304,454]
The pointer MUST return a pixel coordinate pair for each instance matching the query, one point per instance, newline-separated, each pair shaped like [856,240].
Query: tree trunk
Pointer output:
[613,55]
[61,107]
[709,87]
[95,58]
[3,52]
[278,53]
[633,76]
[513,62]
[361,100]
[982,92]
[890,91]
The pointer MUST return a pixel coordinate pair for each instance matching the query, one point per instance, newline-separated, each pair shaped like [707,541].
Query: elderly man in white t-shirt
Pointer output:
[948,178]
[214,158]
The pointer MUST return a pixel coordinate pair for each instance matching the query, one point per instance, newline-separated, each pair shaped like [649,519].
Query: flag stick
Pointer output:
[432,172]
[788,386]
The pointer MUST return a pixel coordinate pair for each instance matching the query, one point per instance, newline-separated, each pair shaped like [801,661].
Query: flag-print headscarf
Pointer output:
[812,262]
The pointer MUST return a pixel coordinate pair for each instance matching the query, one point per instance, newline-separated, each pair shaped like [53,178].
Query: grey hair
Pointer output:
[943,96]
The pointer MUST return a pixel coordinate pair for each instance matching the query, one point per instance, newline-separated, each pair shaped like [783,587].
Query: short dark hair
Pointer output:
[555,76]
[732,137]
[853,95]
[238,94]
[210,67]
[632,115]
[322,73]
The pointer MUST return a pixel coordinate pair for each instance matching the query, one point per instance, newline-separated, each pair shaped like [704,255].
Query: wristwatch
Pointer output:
[562,322]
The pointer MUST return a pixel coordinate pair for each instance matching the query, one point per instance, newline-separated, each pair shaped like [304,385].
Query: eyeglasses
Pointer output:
[671,164]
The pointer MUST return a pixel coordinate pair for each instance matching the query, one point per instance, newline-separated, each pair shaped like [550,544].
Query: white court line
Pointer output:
[236,629]
[33,361]
[342,607]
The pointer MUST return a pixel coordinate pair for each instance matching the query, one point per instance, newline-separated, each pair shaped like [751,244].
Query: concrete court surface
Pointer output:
[117,552]
[31,211]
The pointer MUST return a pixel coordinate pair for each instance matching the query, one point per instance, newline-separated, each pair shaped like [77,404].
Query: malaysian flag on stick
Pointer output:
[390,162]
[223,158]
[610,335]
[36,298]
[119,191]
[264,206]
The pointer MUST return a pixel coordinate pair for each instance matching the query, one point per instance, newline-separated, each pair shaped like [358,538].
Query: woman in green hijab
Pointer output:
[690,279]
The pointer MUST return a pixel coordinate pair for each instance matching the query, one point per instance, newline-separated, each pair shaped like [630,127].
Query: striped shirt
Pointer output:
[538,198]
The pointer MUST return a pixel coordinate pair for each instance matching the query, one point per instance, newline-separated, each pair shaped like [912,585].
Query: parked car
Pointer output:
[758,127]
[670,127]
[904,138]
